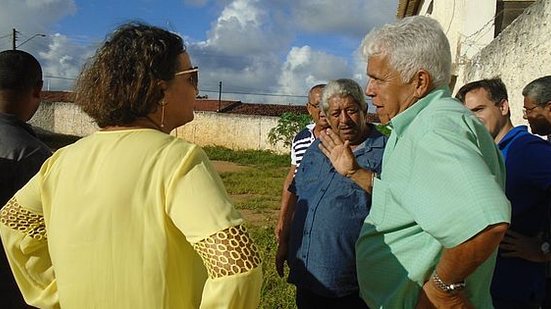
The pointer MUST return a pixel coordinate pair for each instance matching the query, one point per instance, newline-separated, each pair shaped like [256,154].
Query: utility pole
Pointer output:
[219,96]
[14,38]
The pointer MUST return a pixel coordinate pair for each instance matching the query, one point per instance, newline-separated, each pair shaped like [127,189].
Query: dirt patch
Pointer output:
[228,167]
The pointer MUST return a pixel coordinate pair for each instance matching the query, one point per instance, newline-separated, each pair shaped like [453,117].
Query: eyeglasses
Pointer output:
[526,111]
[193,78]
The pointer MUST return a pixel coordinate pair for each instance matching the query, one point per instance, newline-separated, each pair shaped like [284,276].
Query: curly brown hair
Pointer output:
[119,84]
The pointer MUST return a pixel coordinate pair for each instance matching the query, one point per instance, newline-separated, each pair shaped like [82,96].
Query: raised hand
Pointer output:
[338,152]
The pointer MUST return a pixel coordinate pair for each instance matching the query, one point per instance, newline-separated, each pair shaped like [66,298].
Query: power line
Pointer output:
[59,77]
[256,93]
[214,91]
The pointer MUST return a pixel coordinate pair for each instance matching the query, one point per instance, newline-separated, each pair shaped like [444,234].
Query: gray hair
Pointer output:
[342,88]
[539,90]
[411,44]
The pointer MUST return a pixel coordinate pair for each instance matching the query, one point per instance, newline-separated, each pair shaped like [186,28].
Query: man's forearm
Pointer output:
[286,216]
[455,265]
[286,210]
[363,178]
[459,262]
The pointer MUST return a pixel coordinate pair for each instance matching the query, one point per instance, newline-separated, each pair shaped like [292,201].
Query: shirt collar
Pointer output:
[401,121]
[10,119]
[511,135]
[375,139]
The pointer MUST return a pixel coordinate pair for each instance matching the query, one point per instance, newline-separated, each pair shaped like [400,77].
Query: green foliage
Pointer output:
[288,125]
[384,129]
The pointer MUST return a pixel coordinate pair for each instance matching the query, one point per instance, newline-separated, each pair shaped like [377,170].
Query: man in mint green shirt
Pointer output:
[438,210]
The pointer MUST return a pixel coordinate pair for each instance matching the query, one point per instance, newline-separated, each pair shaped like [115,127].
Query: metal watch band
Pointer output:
[448,288]
[545,247]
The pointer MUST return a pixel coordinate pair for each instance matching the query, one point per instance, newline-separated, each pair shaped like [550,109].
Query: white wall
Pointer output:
[468,24]
[233,131]
[520,54]
[208,128]
[63,118]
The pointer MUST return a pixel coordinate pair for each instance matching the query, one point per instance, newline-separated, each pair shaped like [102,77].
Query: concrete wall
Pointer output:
[63,118]
[520,54]
[467,24]
[233,131]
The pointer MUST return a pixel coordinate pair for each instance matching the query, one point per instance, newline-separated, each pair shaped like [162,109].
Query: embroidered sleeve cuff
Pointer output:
[25,221]
[228,252]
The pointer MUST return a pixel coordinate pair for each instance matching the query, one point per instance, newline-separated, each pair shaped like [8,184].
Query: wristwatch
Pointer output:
[545,247]
[451,288]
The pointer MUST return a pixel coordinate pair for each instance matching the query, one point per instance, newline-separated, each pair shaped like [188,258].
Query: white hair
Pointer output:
[411,44]
[342,88]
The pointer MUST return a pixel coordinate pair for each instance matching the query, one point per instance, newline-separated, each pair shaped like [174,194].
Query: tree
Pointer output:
[288,125]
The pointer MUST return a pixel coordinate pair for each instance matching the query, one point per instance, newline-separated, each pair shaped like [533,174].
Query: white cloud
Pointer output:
[244,26]
[242,49]
[33,16]
[55,53]
[305,67]
[250,46]
[347,17]
[62,62]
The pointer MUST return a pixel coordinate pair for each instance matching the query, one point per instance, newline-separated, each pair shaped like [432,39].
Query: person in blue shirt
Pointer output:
[519,276]
[537,105]
[301,142]
[330,208]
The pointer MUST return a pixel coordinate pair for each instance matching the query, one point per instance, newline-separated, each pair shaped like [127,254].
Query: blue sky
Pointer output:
[261,50]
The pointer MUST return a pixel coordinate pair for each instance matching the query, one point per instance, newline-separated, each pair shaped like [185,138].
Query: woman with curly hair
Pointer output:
[130,216]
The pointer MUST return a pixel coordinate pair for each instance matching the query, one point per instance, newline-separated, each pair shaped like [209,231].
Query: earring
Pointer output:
[163,104]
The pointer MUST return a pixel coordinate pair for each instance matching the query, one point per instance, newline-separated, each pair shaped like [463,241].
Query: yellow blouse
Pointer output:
[129,219]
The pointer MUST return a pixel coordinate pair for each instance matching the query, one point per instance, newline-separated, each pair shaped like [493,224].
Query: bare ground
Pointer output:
[228,167]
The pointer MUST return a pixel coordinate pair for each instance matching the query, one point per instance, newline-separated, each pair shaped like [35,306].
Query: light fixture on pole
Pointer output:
[32,37]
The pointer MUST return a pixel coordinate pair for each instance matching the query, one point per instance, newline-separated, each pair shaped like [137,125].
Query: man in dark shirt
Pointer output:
[519,276]
[330,208]
[21,153]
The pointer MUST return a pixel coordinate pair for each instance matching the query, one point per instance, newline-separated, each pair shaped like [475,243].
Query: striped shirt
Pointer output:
[301,142]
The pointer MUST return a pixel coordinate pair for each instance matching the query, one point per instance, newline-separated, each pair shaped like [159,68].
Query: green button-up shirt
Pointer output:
[442,183]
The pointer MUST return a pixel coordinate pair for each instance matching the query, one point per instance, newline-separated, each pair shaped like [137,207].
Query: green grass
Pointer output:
[258,190]
[276,292]
[255,180]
